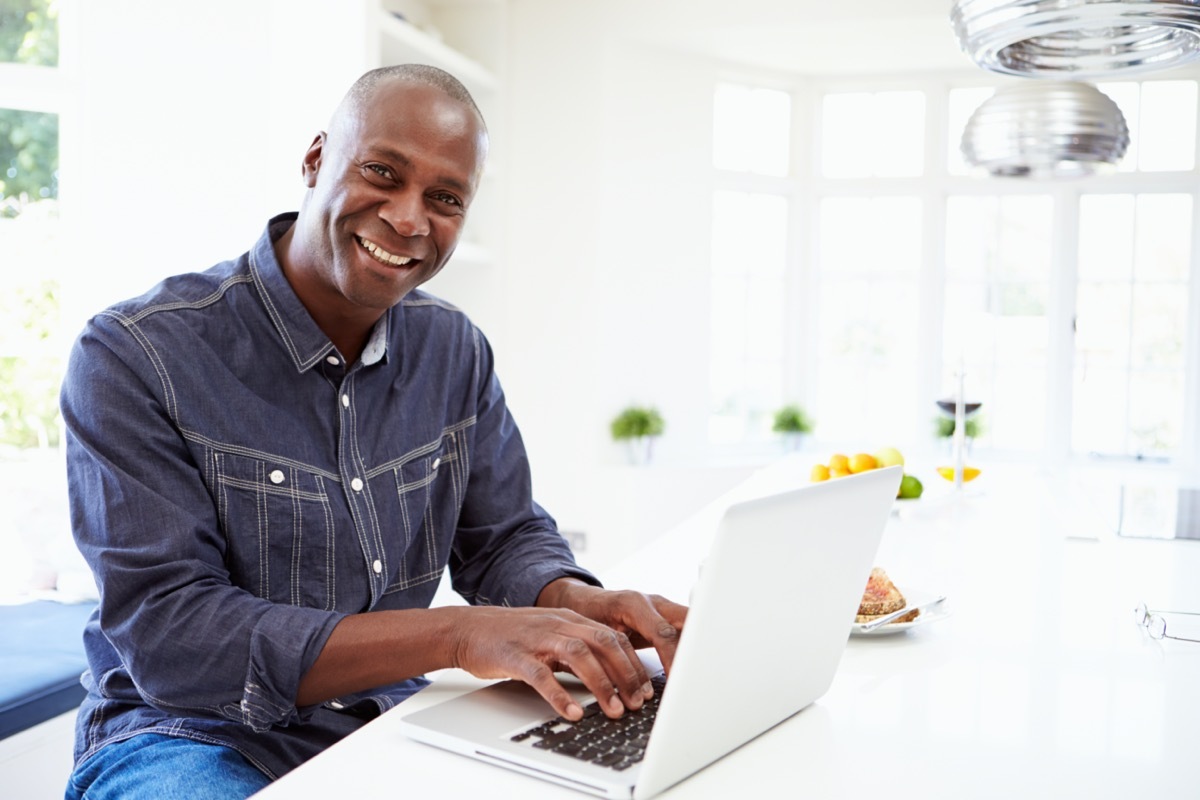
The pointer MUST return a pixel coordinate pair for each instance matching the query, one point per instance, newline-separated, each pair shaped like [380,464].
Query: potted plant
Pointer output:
[638,426]
[793,423]
[944,429]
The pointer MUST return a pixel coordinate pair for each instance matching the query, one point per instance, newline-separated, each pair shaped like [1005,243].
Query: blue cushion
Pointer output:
[41,659]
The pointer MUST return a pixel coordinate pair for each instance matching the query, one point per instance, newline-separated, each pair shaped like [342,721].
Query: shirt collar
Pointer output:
[302,338]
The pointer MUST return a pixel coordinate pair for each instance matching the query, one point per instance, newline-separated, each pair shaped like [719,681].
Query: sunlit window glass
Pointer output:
[1167,128]
[880,134]
[749,250]
[961,104]
[29,32]
[751,129]
[1131,324]
[995,321]
[870,258]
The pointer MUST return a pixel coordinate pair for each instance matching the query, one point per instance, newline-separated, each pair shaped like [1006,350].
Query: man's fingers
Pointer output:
[541,678]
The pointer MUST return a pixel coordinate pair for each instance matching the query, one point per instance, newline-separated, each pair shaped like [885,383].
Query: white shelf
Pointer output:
[402,42]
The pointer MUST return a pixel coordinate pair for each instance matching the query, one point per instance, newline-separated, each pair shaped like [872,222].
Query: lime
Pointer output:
[910,488]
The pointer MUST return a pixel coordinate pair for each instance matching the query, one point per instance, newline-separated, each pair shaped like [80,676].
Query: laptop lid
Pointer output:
[769,619]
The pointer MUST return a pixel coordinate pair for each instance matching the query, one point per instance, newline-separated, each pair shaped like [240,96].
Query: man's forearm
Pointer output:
[380,648]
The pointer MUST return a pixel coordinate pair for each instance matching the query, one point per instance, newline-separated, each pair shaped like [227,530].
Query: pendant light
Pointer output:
[1077,39]
[1046,129]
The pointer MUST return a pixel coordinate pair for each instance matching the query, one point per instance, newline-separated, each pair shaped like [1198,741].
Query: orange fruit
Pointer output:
[839,473]
[839,461]
[820,472]
[861,462]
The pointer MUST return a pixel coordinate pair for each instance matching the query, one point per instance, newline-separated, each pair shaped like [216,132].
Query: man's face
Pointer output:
[390,187]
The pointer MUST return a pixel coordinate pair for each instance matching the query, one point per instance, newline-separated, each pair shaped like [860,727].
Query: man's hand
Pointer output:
[531,644]
[648,620]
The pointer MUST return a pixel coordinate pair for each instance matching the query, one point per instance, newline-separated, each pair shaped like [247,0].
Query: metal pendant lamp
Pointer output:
[1077,39]
[1046,129]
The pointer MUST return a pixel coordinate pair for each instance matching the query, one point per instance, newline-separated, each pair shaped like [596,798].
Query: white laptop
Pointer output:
[775,598]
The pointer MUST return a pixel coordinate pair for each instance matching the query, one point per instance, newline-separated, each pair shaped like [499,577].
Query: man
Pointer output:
[272,462]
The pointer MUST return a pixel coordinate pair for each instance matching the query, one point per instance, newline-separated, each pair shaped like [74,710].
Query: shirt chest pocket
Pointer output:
[430,490]
[279,530]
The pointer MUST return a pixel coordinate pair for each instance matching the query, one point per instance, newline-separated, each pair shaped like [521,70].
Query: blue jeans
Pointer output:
[151,766]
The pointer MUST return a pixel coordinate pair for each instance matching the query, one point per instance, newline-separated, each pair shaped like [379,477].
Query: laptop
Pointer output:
[782,581]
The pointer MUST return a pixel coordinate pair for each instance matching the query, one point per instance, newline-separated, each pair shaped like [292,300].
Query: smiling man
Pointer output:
[272,463]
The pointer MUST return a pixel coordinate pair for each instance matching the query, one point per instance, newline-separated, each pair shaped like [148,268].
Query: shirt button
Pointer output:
[356,484]
[345,401]
[336,706]
[334,360]
[377,565]
[437,461]
[276,476]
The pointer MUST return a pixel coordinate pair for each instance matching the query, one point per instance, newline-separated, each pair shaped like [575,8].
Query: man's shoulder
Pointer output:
[435,312]
[183,292]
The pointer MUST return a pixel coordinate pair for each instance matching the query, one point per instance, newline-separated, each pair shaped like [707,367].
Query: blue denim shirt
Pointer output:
[237,489]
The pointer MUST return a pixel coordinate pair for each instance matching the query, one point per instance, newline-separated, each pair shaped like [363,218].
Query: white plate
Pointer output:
[914,597]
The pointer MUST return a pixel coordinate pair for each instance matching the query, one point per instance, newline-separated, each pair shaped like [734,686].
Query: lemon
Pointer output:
[889,457]
[861,462]
[839,461]
[839,473]
[969,473]
[820,472]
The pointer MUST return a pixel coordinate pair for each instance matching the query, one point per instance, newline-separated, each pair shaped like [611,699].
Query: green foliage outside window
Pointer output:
[29,32]
[30,366]
[28,139]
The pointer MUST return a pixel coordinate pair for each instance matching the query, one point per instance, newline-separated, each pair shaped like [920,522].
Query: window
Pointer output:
[752,137]
[30,343]
[1131,324]
[1066,304]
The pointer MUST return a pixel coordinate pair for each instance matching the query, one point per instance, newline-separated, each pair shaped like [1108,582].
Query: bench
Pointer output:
[41,659]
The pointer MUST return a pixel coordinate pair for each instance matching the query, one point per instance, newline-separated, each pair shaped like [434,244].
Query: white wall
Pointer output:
[609,165]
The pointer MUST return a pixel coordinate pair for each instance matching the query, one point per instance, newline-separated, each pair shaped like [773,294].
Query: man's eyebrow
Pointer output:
[396,156]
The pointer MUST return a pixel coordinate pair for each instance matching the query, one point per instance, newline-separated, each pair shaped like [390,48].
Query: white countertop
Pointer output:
[1038,683]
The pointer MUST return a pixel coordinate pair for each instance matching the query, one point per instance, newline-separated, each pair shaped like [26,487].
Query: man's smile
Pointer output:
[381,255]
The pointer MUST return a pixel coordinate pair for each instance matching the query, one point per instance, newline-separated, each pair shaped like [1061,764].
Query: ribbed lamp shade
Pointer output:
[1046,129]
[1077,39]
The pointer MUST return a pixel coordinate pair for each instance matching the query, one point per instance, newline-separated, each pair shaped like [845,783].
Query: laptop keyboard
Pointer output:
[614,743]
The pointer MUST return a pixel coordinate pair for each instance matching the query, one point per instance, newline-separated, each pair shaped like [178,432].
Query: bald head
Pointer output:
[363,90]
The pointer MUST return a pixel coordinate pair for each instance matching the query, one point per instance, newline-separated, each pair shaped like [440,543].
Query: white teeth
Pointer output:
[381,255]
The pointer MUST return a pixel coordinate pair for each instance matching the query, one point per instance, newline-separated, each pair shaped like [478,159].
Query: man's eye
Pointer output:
[449,199]
[377,171]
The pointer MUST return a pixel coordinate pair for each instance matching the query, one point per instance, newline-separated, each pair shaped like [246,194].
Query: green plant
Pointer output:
[792,419]
[944,427]
[637,421]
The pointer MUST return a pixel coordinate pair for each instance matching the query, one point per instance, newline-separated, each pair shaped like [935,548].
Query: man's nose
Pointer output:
[407,214]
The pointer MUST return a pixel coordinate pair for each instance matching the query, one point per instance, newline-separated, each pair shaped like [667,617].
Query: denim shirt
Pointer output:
[237,489]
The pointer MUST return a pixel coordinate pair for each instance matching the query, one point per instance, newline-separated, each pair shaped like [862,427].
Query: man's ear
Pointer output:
[312,160]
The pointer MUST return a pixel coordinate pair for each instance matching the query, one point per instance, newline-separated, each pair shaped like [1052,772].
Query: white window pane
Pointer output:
[849,131]
[1106,225]
[899,134]
[1159,326]
[843,247]
[961,104]
[751,129]
[1155,412]
[1167,128]
[880,234]
[1164,236]
[749,233]
[1127,96]
[971,230]
[1099,410]
[1025,231]
[1102,325]
[1015,413]
[728,318]
[764,320]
